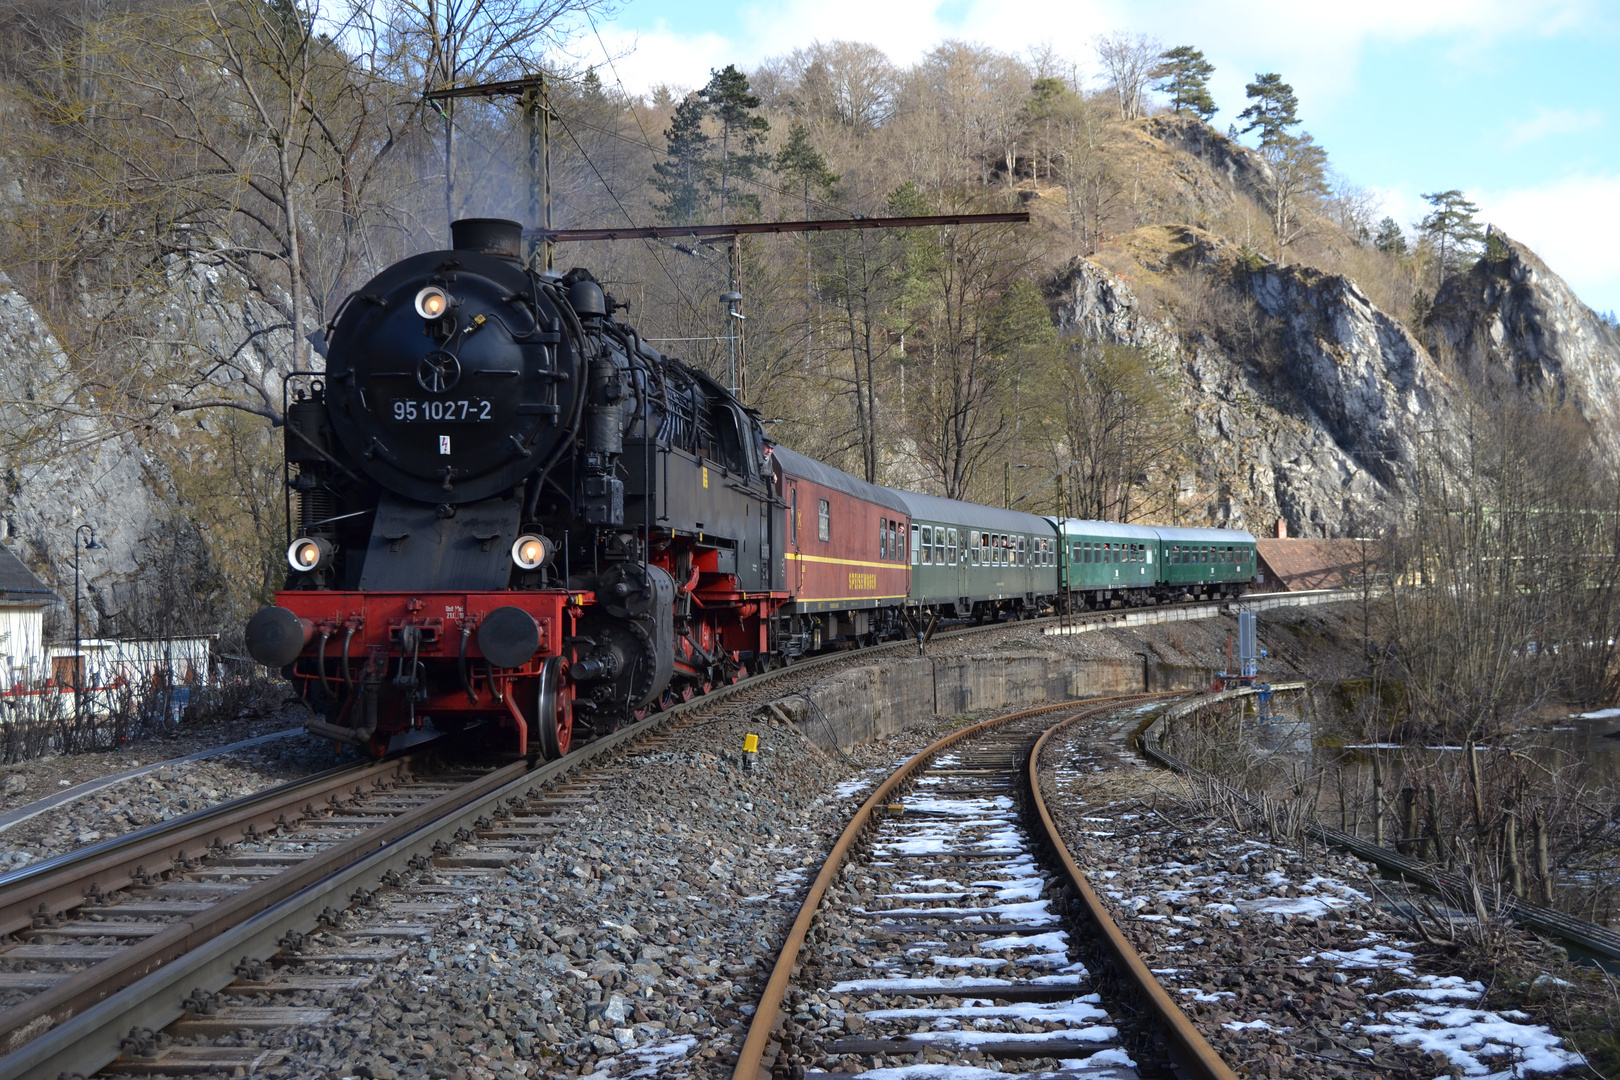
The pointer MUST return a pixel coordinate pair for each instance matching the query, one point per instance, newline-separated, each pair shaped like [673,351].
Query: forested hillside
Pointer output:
[1195,326]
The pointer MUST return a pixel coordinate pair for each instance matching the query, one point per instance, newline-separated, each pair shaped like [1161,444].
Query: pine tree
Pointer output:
[1455,232]
[1390,238]
[1184,75]
[732,102]
[682,177]
[799,160]
[1273,109]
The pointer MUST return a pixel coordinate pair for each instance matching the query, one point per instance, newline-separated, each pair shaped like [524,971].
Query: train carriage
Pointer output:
[1104,562]
[847,574]
[1205,563]
[976,560]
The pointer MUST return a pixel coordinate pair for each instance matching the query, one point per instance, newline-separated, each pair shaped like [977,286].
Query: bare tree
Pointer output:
[1128,62]
[439,44]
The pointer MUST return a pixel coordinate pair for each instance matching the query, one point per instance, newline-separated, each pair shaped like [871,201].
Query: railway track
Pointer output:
[111,944]
[935,934]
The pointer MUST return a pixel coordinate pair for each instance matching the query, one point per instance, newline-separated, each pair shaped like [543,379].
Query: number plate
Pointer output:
[442,410]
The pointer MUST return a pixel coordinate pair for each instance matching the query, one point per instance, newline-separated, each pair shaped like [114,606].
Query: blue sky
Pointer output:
[1516,103]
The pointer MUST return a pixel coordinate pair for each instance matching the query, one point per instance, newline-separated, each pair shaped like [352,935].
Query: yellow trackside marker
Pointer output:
[705,476]
[750,751]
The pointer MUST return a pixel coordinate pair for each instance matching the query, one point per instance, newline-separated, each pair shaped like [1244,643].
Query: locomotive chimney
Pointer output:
[490,236]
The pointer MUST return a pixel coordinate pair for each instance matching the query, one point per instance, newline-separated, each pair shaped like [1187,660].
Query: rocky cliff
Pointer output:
[62,468]
[1308,403]
[1513,328]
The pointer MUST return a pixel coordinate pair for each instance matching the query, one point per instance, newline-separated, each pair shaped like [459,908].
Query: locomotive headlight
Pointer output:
[432,302]
[531,551]
[308,553]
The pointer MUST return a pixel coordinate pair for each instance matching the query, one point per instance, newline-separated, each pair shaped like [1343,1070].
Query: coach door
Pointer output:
[796,571]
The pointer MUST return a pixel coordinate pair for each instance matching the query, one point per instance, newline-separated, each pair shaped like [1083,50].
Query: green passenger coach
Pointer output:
[971,560]
[1206,563]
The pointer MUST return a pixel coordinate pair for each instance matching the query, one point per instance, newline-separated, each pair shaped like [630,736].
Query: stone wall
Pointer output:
[858,705]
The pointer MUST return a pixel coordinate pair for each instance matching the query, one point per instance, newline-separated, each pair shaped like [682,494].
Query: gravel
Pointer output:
[155,797]
[634,940]
[1292,961]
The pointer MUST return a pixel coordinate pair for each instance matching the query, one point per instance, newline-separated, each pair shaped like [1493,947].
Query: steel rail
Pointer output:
[90,1039]
[1193,1054]
[86,988]
[750,1059]
[56,885]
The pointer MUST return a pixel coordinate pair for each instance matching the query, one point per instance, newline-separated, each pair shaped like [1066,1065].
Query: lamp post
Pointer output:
[78,656]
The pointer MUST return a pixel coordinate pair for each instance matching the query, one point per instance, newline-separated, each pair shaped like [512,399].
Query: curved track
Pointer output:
[939,894]
[203,894]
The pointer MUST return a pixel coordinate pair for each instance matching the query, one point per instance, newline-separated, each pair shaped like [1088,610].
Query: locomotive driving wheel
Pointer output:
[554,711]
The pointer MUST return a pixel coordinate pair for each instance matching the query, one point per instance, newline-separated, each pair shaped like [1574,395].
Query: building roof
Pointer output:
[19,585]
[1297,565]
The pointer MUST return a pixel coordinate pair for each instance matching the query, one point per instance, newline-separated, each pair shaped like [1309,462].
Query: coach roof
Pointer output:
[956,512]
[796,464]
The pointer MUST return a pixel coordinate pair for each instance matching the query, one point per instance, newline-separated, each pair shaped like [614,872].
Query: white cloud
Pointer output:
[1549,122]
[1321,43]
[1564,222]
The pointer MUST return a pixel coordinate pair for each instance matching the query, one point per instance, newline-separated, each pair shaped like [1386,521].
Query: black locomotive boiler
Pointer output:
[510,509]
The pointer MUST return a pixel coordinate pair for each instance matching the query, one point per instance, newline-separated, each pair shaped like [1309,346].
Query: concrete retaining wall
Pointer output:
[860,704]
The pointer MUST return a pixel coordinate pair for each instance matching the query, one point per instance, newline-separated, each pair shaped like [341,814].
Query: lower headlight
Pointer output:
[309,553]
[531,551]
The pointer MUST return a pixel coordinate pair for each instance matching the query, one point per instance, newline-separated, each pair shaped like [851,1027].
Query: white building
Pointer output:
[23,600]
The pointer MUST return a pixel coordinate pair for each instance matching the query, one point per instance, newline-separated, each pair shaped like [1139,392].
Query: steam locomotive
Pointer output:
[512,513]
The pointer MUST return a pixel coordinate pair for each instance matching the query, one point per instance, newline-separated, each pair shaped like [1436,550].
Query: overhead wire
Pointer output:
[627,216]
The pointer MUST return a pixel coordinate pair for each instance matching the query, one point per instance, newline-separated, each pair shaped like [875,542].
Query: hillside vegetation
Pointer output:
[1195,327]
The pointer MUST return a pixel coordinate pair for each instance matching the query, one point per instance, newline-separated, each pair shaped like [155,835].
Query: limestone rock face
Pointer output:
[1513,327]
[1320,422]
[62,469]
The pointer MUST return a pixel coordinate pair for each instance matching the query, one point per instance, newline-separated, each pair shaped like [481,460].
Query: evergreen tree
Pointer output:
[799,160]
[1453,229]
[1390,238]
[1273,109]
[732,102]
[682,177]
[1184,75]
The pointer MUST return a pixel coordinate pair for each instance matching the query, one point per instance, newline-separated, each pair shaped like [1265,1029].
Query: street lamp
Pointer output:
[78,656]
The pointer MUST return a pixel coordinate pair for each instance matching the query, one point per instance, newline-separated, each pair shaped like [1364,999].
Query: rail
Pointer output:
[1193,1054]
[750,1064]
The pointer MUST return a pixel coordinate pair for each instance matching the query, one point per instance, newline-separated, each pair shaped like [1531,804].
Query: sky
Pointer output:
[1515,102]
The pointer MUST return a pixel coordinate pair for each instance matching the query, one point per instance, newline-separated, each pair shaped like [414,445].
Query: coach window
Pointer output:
[883,539]
[1023,551]
[950,547]
[928,545]
[939,545]
[824,520]
[916,534]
